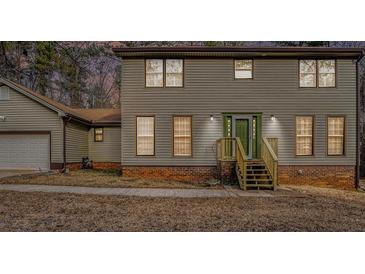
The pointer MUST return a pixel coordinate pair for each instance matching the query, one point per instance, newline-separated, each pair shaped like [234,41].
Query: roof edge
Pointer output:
[32,96]
[254,51]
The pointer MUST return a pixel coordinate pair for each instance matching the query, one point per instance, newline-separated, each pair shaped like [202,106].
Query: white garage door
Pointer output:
[24,151]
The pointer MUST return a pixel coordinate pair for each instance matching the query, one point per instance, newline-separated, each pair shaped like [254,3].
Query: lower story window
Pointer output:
[98,134]
[336,134]
[304,135]
[145,135]
[182,135]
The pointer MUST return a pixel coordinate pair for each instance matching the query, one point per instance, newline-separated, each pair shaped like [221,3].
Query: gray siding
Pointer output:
[77,145]
[24,114]
[210,88]
[109,149]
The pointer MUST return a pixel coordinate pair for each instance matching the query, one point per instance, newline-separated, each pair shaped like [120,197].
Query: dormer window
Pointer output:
[4,93]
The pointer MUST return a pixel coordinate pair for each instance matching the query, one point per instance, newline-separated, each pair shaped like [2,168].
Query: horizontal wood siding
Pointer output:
[210,89]
[109,149]
[77,145]
[24,114]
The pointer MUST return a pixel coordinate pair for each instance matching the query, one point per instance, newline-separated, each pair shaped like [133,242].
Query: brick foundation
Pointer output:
[342,177]
[96,165]
[227,172]
[104,165]
[188,174]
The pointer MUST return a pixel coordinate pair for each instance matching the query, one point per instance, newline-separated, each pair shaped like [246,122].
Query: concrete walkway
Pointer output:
[142,192]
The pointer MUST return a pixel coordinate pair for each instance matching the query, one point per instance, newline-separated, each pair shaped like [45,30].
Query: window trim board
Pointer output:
[191,136]
[313,136]
[317,72]
[344,135]
[154,136]
[252,69]
[164,73]
[102,134]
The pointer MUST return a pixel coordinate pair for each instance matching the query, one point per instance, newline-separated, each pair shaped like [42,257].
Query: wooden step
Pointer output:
[258,180]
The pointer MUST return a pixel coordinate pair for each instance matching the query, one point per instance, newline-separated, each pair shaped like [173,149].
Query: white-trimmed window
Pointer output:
[174,72]
[182,126]
[304,135]
[4,93]
[308,73]
[326,73]
[154,73]
[145,135]
[243,69]
[336,135]
[317,73]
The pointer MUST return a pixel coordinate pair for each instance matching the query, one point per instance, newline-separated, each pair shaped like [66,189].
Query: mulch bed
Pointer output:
[307,209]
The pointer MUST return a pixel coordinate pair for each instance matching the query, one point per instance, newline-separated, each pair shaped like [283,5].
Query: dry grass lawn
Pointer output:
[305,209]
[100,178]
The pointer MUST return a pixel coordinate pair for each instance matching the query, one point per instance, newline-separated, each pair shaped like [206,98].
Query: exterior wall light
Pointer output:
[211,118]
[273,118]
[2,118]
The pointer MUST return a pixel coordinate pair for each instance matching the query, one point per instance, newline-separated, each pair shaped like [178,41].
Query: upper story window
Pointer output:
[174,73]
[336,135]
[317,73]
[308,74]
[145,135]
[154,73]
[98,134]
[4,93]
[168,73]
[304,135]
[326,73]
[243,69]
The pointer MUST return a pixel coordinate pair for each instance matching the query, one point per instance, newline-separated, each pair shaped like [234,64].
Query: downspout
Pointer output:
[358,109]
[65,121]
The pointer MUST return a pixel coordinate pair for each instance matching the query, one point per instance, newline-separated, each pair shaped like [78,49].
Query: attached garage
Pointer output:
[25,150]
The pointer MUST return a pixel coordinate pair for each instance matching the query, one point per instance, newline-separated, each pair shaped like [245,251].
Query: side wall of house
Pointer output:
[107,151]
[210,89]
[25,114]
[77,143]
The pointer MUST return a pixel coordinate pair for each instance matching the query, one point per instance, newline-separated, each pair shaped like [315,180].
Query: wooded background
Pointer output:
[87,74]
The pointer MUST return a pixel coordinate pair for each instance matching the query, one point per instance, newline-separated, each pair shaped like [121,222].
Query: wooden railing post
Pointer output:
[271,160]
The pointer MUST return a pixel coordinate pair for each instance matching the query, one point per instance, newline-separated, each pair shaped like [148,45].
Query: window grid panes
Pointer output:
[174,72]
[317,73]
[243,69]
[98,134]
[335,130]
[304,135]
[145,136]
[154,73]
[182,136]
[308,73]
[326,73]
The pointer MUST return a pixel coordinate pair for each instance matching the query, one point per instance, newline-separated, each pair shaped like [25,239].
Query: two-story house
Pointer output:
[259,116]
[294,111]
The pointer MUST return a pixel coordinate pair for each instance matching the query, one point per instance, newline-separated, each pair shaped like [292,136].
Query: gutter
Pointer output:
[358,110]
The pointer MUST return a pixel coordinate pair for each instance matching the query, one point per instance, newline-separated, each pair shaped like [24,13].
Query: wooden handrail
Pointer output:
[271,160]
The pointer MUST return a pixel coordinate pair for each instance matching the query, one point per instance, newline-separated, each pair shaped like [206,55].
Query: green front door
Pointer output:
[243,132]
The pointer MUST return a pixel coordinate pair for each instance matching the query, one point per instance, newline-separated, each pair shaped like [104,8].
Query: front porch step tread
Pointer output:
[258,180]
